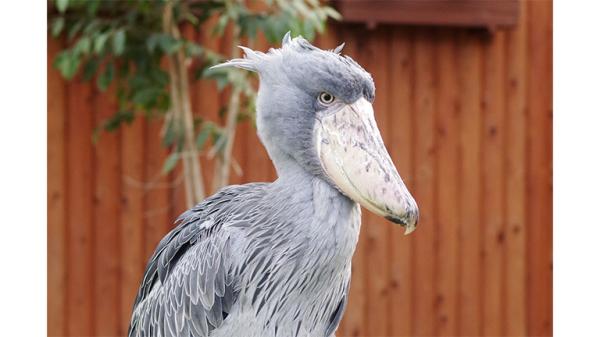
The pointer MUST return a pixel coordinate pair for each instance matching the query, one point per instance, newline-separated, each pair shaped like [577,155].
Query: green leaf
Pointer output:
[114,122]
[93,7]
[220,26]
[221,114]
[92,27]
[220,143]
[57,26]
[192,49]
[152,42]
[249,24]
[309,30]
[189,17]
[67,63]
[145,96]
[159,77]
[83,46]
[332,13]
[169,135]
[74,30]
[90,68]
[62,5]
[203,135]
[119,42]
[222,82]
[106,77]
[162,101]
[168,44]
[170,162]
[100,42]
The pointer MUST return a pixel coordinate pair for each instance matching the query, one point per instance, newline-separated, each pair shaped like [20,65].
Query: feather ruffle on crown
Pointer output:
[252,58]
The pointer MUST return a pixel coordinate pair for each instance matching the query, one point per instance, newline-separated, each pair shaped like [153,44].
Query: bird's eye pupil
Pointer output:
[326,98]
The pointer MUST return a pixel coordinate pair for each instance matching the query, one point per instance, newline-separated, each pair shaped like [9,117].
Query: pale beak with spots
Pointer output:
[353,156]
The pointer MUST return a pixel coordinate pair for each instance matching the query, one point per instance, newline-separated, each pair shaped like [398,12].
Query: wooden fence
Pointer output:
[467,118]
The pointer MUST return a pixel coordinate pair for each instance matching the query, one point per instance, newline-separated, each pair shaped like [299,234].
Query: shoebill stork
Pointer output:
[274,259]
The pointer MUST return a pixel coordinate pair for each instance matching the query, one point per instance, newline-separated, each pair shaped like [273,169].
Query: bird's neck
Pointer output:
[328,221]
[286,166]
[296,185]
[292,177]
[325,204]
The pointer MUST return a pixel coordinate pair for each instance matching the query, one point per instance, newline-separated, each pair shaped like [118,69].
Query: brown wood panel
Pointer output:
[258,167]
[205,103]
[107,221]
[80,237]
[539,204]
[469,13]
[374,54]
[492,225]
[516,164]
[157,187]
[400,146]
[447,185]
[469,74]
[240,146]
[423,271]
[131,236]
[57,212]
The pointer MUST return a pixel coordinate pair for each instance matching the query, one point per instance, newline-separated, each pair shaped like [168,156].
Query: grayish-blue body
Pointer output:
[274,259]
[284,251]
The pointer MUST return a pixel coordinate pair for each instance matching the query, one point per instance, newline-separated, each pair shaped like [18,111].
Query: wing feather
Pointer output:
[189,285]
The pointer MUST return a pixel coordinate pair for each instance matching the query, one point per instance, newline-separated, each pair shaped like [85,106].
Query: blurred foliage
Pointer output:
[124,43]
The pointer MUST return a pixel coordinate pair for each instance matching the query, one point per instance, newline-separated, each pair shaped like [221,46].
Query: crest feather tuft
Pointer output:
[287,38]
[250,60]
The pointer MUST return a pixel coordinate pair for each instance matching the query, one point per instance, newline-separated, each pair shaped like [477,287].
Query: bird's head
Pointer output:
[314,110]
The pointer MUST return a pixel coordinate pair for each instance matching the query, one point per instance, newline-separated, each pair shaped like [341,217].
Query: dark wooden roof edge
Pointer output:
[460,13]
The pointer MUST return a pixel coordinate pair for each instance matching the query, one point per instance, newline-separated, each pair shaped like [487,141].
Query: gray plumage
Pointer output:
[265,259]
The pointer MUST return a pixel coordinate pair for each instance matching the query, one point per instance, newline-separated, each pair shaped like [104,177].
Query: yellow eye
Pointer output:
[326,98]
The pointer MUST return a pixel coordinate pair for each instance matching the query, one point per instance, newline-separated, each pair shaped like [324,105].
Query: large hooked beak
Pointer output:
[353,156]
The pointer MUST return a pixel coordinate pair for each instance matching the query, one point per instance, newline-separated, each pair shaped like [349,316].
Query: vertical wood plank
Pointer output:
[355,318]
[493,236]
[448,185]
[402,113]
[469,75]
[245,129]
[133,255]
[258,166]
[80,275]
[206,101]
[516,165]
[156,187]
[424,254]
[375,58]
[106,220]
[539,230]
[57,213]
